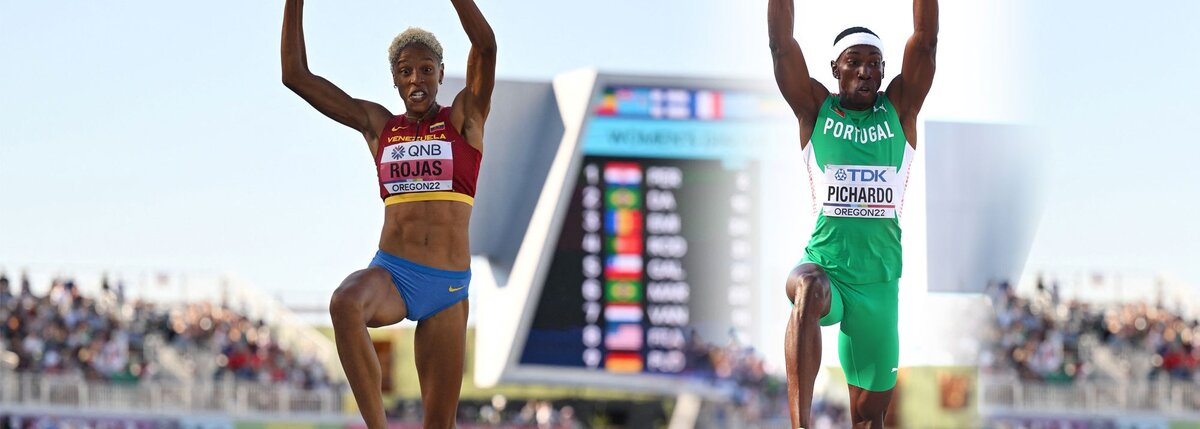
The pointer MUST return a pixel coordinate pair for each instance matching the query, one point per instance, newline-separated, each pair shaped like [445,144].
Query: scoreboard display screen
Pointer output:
[657,256]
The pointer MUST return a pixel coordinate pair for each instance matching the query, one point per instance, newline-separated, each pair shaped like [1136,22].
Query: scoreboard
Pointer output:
[655,256]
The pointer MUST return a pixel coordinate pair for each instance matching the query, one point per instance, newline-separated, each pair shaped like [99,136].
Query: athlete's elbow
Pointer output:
[780,45]
[297,86]
[291,84]
[292,77]
[287,74]
[485,45]
[487,50]
[926,40]
[776,47]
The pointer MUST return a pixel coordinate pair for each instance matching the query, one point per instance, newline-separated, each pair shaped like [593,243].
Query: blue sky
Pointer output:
[1113,98]
[143,135]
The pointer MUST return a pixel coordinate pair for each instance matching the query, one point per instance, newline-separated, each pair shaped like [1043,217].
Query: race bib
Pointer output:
[419,166]
[866,191]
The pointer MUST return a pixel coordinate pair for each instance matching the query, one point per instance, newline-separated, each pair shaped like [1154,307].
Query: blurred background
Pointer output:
[173,220]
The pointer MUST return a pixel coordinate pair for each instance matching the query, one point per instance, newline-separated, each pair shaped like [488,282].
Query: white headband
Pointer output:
[855,39]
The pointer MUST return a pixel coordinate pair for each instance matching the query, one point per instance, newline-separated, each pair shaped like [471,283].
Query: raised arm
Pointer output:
[801,91]
[472,105]
[366,117]
[908,90]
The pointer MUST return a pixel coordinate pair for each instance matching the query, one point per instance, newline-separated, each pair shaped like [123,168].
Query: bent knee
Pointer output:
[871,407]
[344,301]
[871,414]
[350,297]
[809,282]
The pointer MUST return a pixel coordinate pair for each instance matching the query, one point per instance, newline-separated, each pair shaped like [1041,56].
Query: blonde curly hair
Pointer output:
[413,35]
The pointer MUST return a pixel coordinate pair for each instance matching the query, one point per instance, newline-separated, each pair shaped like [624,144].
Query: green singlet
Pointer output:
[858,166]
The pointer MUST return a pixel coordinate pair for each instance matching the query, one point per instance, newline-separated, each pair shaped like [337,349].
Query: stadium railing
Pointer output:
[227,397]
[1156,396]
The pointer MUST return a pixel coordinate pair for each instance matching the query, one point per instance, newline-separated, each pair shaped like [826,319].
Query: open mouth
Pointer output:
[418,95]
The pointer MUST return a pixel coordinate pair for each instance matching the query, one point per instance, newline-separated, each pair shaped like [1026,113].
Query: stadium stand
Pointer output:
[107,338]
[1046,354]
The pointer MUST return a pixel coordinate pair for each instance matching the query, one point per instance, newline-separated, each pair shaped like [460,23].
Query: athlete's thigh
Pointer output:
[869,342]
[372,292]
[440,347]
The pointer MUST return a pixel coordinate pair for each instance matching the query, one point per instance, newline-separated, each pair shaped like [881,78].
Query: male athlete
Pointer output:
[427,162]
[857,145]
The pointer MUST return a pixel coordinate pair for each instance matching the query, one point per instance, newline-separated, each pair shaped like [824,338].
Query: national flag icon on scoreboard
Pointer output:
[623,336]
[633,101]
[623,362]
[623,197]
[608,103]
[623,291]
[623,222]
[671,103]
[623,173]
[707,105]
[622,313]
[623,266]
[624,244]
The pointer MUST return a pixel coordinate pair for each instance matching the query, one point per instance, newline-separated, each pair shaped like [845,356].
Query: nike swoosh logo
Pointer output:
[895,369]
[394,129]
[456,289]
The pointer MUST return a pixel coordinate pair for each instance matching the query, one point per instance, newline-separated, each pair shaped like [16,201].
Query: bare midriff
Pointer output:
[430,233]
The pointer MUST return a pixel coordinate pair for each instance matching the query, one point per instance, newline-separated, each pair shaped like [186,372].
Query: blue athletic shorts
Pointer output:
[426,290]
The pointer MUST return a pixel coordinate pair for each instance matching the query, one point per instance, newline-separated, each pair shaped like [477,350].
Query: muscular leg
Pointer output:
[808,289]
[440,348]
[867,408]
[366,298]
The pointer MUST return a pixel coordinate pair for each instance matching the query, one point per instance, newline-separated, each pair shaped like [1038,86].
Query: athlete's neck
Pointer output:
[433,109]
[850,105]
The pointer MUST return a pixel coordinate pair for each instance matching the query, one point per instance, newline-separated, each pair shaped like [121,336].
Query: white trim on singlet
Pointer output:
[905,166]
[809,161]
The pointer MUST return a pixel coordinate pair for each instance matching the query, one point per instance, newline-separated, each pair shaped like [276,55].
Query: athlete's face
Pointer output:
[417,74]
[859,71]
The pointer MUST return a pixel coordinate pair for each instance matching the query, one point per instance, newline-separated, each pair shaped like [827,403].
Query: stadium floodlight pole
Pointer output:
[427,161]
[858,164]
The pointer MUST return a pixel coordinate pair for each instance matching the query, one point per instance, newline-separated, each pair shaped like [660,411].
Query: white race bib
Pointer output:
[865,191]
[419,166]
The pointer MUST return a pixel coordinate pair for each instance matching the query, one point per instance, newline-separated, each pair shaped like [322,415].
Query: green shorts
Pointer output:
[869,341]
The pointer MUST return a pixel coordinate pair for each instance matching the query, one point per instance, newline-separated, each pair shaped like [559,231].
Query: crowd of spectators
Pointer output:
[245,349]
[1041,336]
[105,337]
[64,332]
[739,370]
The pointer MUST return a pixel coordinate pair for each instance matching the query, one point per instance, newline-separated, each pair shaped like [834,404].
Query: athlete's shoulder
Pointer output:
[830,104]
[884,105]
[883,100]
